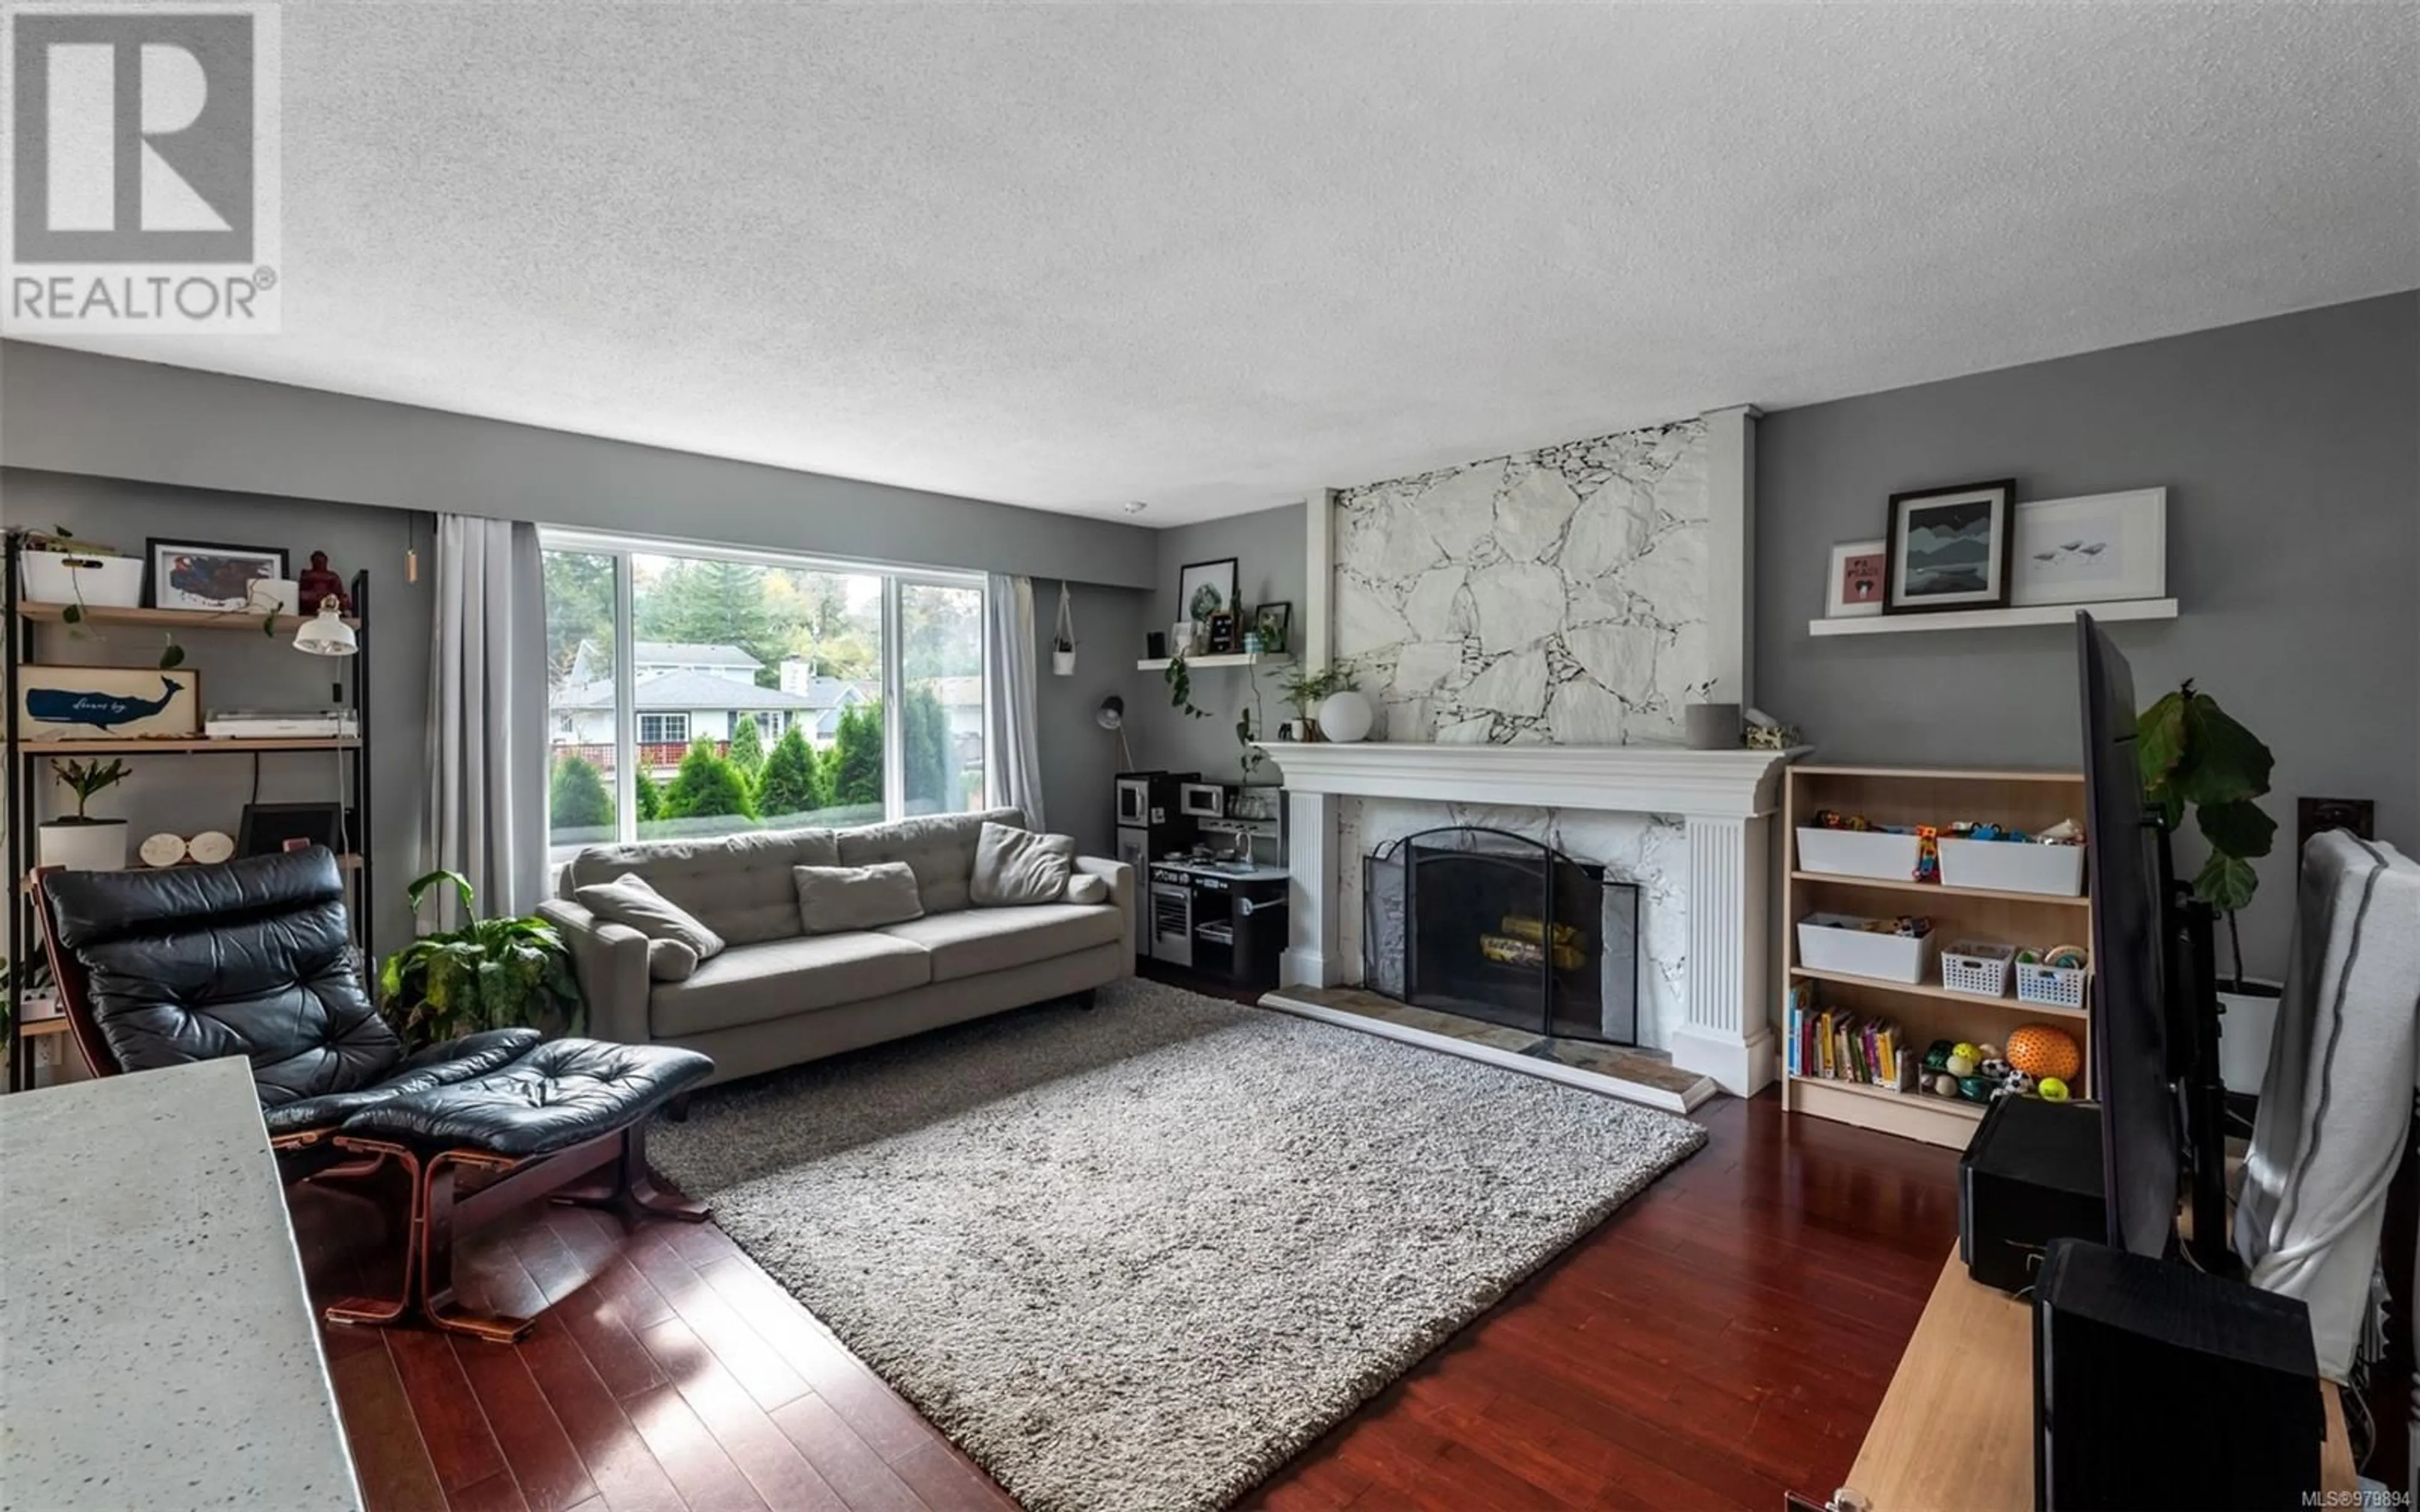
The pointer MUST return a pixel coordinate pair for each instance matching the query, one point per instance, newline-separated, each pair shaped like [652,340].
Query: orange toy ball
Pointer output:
[2040,1051]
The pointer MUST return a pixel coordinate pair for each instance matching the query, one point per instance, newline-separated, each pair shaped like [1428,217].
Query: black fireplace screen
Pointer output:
[1497,926]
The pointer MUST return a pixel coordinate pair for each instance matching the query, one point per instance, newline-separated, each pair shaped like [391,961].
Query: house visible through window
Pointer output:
[695,693]
[664,729]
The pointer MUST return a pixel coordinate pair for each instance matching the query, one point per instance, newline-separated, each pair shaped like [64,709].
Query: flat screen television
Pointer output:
[2133,1000]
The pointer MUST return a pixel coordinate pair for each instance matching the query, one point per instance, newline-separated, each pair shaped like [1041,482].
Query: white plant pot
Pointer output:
[1346,717]
[97,582]
[1062,664]
[2246,1026]
[97,846]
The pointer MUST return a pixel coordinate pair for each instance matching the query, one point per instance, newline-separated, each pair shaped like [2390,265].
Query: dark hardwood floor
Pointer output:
[1723,1336]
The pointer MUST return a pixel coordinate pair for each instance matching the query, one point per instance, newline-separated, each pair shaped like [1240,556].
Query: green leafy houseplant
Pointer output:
[87,780]
[1179,679]
[2193,755]
[1306,689]
[489,974]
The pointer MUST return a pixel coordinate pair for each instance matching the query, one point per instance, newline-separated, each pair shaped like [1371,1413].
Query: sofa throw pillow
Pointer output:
[629,900]
[1088,889]
[671,961]
[835,899]
[1015,866]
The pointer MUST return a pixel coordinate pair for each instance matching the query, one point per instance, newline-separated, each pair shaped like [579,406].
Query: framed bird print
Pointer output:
[107,703]
[2093,549]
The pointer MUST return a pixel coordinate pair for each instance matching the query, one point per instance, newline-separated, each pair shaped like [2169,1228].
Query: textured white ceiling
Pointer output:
[1208,255]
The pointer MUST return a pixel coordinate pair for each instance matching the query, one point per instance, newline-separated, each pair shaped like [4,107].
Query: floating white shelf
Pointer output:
[1993,619]
[1239,659]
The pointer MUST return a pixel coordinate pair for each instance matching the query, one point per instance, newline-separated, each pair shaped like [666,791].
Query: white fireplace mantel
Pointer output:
[1656,780]
[1723,798]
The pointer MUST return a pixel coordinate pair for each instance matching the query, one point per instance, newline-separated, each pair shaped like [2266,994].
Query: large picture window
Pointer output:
[693,692]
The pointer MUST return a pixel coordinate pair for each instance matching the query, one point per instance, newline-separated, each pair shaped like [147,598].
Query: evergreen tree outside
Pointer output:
[924,735]
[651,796]
[703,601]
[575,796]
[793,780]
[708,786]
[747,748]
[856,757]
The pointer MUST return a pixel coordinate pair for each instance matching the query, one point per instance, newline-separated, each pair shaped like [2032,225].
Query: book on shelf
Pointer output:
[1832,1044]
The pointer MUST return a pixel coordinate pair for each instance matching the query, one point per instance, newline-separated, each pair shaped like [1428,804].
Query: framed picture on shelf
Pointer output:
[194,575]
[2091,549]
[1206,587]
[1275,621]
[1854,587]
[107,703]
[1223,641]
[1948,548]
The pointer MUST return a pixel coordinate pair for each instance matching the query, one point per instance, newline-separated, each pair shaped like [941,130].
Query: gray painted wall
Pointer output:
[71,411]
[240,667]
[1268,551]
[2292,461]
[1078,758]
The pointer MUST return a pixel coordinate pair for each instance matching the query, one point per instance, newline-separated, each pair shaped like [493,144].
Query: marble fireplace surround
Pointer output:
[1722,800]
[1559,718]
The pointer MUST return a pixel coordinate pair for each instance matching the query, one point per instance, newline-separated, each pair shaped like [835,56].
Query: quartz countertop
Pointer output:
[157,1348]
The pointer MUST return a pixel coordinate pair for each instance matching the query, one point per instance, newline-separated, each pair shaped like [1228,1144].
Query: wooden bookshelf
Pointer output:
[1925,1011]
[147,745]
[172,619]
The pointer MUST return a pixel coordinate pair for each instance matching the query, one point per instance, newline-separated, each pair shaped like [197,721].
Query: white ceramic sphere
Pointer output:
[1346,716]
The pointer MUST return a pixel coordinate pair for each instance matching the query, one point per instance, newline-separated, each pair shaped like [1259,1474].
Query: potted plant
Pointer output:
[1179,678]
[489,974]
[1062,637]
[2194,756]
[79,842]
[1309,693]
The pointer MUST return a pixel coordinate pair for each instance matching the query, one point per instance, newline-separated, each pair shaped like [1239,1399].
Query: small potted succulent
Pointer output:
[79,842]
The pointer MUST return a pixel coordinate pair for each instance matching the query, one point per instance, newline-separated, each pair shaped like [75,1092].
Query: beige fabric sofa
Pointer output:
[775,996]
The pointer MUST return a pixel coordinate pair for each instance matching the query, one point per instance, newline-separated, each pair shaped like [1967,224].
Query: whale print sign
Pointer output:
[107,702]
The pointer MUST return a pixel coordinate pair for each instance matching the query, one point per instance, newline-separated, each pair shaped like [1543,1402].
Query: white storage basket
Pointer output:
[1857,853]
[2051,986]
[1983,970]
[2012,866]
[106,582]
[1833,942]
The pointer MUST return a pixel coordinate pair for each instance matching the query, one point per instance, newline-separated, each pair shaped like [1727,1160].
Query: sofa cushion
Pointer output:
[1017,866]
[671,961]
[939,848]
[738,885]
[630,900]
[1088,889]
[973,942]
[835,899]
[778,979]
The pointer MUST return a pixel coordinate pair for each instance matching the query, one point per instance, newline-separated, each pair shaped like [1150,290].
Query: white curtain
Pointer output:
[486,712]
[1009,683]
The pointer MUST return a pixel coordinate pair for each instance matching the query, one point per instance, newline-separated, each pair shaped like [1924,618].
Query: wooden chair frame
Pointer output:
[439,1211]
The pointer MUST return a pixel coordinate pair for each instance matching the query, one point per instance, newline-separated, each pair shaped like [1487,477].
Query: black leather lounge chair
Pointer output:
[252,959]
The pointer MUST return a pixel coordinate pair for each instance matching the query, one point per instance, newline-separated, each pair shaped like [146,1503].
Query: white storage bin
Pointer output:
[2051,986]
[108,583]
[1971,966]
[1857,853]
[2012,866]
[1833,942]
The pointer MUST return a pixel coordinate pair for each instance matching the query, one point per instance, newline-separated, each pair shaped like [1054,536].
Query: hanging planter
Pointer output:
[1063,639]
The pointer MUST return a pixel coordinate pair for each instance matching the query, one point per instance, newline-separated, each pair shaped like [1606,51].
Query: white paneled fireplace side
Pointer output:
[1532,627]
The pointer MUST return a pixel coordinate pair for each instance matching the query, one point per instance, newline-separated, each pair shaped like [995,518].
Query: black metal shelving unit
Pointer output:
[25,758]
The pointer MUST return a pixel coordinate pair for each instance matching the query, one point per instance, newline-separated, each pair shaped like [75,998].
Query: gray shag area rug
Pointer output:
[1135,1259]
